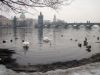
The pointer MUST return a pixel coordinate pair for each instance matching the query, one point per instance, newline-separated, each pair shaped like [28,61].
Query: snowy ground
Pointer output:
[90,69]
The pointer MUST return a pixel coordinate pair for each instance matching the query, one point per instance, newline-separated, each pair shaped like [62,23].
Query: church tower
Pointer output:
[54,19]
[40,28]
[40,20]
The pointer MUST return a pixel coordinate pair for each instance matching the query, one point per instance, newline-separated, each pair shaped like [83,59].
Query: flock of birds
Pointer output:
[86,44]
[48,40]
[27,43]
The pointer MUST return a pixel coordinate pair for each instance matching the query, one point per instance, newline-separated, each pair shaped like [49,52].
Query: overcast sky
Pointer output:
[78,10]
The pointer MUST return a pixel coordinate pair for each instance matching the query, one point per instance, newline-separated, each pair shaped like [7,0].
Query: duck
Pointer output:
[88,48]
[79,44]
[4,41]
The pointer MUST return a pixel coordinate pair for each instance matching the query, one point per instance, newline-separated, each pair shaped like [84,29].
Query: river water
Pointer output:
[63,45]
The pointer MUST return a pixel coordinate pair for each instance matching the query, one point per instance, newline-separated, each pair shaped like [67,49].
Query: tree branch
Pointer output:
[18,5]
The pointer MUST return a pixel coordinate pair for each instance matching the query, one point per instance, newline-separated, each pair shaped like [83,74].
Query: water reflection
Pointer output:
[54,35]
[40,35]
[22,34]
[14,27]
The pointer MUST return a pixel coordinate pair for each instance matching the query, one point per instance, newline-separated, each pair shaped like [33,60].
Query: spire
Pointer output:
[40,19]
[54,19]
[41,14]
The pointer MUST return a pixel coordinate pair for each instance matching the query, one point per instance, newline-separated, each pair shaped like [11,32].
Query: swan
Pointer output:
[26,45]
[46,40]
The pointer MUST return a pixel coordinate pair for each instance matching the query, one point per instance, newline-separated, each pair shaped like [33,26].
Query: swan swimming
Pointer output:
[46,40]
[26,45]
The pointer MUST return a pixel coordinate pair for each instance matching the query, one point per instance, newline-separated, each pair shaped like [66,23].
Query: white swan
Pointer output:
[26,43]
[46,40]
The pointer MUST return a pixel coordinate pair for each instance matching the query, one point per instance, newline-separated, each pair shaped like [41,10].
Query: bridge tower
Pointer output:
[40,20]
[54,20]
[40,28]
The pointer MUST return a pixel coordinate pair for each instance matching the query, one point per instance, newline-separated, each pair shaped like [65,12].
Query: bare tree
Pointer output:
[18,5]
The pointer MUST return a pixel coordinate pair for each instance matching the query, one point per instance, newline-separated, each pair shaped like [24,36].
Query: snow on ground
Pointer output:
[89,69]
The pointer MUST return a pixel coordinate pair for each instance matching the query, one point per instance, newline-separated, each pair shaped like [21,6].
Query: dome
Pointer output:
[22,16]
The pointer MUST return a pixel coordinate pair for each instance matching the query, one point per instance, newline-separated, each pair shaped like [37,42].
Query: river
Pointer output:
[63,45]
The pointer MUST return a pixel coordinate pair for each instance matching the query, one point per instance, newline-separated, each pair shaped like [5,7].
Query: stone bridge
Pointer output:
[85,24]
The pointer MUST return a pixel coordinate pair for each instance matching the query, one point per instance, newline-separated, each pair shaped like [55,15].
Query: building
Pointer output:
[5,21]
[54,19]
[22,16]
[40,20]
[40,28]
[29,22]
[24,22]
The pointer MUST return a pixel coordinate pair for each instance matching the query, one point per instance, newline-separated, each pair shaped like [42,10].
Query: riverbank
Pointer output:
[5,56]
[57,65]
[89,69]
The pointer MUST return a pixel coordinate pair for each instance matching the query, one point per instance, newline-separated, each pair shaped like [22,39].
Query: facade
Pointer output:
[5,21]
[24,22]
[54,19]
[40,20]
[40,28]
[22,16]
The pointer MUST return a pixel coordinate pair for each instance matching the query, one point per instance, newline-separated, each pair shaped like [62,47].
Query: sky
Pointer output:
[77,11]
